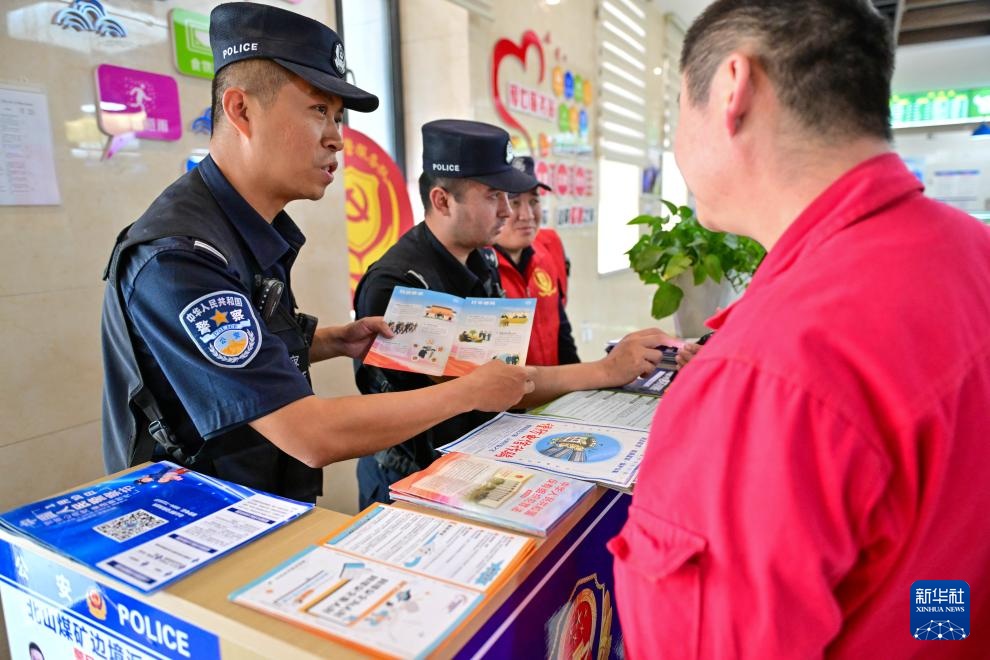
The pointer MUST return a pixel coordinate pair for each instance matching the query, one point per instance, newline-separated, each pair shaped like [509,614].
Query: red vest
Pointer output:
[546,280]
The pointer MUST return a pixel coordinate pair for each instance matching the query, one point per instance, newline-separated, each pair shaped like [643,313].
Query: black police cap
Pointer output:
[528,165]
[461,149]
[308,48]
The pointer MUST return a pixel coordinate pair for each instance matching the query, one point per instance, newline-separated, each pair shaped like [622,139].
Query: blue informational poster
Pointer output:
[53,612]
[152,526]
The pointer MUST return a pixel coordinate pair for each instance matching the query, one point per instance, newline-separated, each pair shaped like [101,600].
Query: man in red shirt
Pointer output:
[825,450]
[531,264]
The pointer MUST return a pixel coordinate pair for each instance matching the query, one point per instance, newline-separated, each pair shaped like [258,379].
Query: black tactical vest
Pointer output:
[132,421]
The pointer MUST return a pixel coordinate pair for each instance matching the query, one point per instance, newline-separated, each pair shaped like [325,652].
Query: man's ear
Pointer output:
[236,109]
[440,200]
[737,90]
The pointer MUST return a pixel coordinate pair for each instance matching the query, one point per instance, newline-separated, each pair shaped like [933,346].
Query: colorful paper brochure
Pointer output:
[393,581]
[511,496]
[152,526]
[440,334]
[607,455]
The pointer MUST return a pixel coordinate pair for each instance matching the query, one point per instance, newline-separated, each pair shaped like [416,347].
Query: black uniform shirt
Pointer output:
[208,359]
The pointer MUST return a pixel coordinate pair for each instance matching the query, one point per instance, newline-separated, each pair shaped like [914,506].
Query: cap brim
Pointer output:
[510,180]
[354,98]
[544,186]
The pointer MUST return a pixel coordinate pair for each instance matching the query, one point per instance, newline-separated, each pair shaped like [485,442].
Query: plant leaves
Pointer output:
[677,264]
[685,212]
[700,273]
[652,220]
[671,206]
[713,265]
[666,300]
[646,259]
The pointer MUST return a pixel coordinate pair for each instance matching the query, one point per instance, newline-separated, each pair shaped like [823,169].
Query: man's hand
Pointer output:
[635,355]
[686,353]
[498,386]
[352,340]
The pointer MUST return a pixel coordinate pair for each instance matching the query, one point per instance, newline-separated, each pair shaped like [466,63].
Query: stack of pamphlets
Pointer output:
[607,455]
[482,489]
[609,407]
[439,334]
[154,525]
[392,581]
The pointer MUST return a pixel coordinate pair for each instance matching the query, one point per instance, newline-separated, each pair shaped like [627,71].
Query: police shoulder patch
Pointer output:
[224,328]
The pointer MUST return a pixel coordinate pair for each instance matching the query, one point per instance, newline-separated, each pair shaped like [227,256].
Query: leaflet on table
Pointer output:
[152,526]
[609,407]
[393,581]
[440,334]
[479,488]
[608,455]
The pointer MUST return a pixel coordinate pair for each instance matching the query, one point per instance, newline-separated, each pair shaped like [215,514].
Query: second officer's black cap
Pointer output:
[461,149]
[308,48]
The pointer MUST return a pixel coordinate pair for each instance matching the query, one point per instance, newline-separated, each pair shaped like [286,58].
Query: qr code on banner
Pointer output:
[129,525]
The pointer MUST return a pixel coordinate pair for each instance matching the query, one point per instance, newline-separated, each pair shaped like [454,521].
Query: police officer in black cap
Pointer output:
[206,356]
[467,171]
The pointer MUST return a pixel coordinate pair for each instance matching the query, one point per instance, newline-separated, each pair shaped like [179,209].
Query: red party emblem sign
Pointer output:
[376,202]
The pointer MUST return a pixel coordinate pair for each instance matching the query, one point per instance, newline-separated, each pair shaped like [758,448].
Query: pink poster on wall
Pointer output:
[139,102]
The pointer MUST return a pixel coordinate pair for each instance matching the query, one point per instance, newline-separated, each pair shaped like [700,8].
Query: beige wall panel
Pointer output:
[52,371]
[435,74]
[69,457]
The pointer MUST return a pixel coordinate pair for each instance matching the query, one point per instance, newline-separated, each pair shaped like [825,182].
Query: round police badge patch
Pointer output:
[338,59]
[224,328]
[509,153]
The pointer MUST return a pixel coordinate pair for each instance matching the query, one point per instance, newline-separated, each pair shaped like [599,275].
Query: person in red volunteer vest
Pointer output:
[532,264]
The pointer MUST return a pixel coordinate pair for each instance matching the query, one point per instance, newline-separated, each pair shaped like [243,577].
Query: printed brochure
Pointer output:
[393,582]
[154,525]
[497,493]
[609,407]
[608,455]
[440,334]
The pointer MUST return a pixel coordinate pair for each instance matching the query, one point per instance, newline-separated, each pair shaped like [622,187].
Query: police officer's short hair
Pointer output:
[427,183]
[830,61]
[261,78]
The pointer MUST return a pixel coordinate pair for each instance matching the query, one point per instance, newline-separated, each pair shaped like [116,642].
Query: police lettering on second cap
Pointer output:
[461,149]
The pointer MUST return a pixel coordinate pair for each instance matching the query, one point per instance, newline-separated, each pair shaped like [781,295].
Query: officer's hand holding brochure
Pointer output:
[392,581]
[479,488]
[154,525]
[607,455]
[440,334]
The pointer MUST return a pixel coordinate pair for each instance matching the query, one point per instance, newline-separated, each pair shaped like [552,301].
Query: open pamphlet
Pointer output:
[497,493]
[440,334]
[392,582]
[605,454]
[609,407]
[154,525]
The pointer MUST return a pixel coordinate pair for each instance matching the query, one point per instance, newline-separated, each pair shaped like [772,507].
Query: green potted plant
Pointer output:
[677,247]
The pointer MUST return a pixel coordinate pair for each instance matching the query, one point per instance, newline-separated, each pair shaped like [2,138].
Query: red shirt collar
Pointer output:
[853,197]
